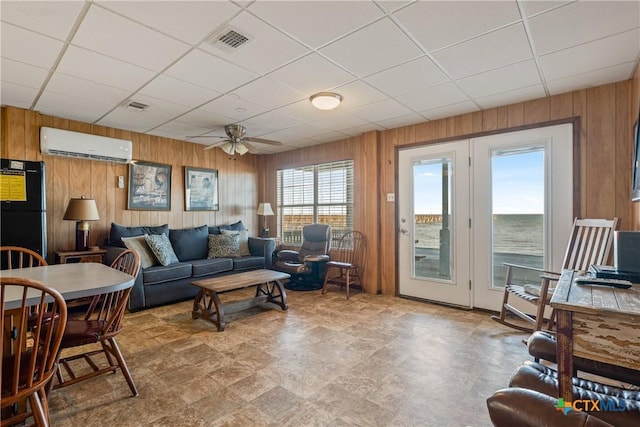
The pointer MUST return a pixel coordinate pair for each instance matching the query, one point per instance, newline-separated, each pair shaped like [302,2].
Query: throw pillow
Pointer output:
[119,231]
[161,247]
[244,240]
[139,244]
[190,243]
[224,246]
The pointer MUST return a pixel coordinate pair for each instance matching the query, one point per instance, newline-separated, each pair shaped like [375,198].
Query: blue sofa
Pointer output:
[159,284]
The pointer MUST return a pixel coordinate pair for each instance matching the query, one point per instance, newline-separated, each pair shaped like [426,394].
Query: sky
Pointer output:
[517,185]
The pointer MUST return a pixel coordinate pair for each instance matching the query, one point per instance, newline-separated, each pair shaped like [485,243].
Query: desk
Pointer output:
[71,280]
[595,322]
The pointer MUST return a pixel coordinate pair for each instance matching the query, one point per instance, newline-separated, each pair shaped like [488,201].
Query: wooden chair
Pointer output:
[16,257]
[30,345]
[590,243]
[348,259]
[101,324]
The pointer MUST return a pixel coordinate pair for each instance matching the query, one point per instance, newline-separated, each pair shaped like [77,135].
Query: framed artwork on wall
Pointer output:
[200,189]
[149,186]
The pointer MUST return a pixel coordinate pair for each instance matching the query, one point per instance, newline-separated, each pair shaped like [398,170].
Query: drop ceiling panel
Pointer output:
[17,95]
[502,79]
[268,93]
[534,7]
[592,78]
[357,94]
[99,68]
[178,91]
[494,50]
[450,110]
[205,119]
[316,23]
[55,104]
[401,121]
[382,110]
[234,107]
[582,22]
[28,47]
[53,19]
[511,97]
[189,21]
[22,74]
[270,121]
[105,32]
[209,71]
[437,24]
[325,75]
[417,74]
[85,89]
[612,50]
[266,50]
[376,47]
[437,96]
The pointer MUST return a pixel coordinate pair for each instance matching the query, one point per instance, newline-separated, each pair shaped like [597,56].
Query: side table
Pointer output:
[91,255]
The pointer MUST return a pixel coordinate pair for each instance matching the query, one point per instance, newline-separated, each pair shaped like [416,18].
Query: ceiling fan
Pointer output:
[236,141]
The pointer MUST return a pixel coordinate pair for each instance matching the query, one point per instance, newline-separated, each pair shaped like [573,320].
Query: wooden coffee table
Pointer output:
[208,305]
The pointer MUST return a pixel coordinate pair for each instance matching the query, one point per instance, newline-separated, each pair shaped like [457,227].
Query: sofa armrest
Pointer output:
[263,247]
[112,253]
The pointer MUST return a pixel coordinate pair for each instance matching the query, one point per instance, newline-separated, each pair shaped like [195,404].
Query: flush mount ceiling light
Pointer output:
[326,100]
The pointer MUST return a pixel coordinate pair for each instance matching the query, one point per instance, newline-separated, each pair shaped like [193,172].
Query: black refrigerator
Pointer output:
[23,205]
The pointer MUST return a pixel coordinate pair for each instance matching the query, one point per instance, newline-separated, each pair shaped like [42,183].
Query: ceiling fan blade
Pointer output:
[250,147]
[262,141]
[204,136]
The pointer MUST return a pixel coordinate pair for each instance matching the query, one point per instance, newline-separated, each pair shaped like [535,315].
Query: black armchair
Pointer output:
[307,266]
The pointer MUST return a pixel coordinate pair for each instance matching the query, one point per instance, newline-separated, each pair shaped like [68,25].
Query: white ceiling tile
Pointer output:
[511,97]
[437,24]
[178,91]
[502,79]
[17,95]
[450,110]
[232,106]
[295,133]
[533,7]
[189,21]
[316,23]
[180,130]
[593,78]
[582,22]
[359,130]
[357,93]
[209,71]
[612,50]
[60,105]
[396,122]
[144,121]
[329,137]
[497,49]
[268,93]
[205,119]
[105,32]
[391,5]
[53,19]
[408,77]
[22,74]
[325,75]
[376,47]
[85,89]
[28,47]
[327,119]
[382,110]
[267,49]
[437,96]
[271,121]
[98,68]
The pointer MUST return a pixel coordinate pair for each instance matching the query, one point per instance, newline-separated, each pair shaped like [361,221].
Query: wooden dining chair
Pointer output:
[16,257]
[30,345]
[101,324]
[348,260]
[589,243]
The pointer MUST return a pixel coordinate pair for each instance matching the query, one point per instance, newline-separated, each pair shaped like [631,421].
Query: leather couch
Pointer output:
[158,284]
[617,406]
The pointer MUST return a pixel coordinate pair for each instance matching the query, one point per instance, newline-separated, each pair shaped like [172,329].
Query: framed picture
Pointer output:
[149,186]
[635,183]
[200,189]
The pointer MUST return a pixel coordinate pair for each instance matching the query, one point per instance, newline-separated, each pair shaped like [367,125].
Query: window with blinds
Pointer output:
[315,193]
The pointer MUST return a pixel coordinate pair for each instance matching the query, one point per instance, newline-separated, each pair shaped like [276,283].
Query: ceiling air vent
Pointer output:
[136,106]
[229,39]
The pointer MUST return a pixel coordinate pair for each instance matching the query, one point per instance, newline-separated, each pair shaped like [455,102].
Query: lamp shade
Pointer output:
[326,100]
[241,148]
[82,210]
[265,209]
[228,148]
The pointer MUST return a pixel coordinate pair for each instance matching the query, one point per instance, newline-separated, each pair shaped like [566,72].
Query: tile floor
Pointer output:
[371,361]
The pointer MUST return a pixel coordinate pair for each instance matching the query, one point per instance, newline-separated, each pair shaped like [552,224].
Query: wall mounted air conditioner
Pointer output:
[58,142]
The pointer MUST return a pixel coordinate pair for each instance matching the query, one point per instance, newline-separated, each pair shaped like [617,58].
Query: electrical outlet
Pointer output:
[120,181]
[391,197]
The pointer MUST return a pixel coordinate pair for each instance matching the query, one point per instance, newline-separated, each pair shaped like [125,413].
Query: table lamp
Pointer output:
[264,209]
[82,210]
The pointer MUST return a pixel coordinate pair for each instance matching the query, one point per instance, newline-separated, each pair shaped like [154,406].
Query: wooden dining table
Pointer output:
[73,281]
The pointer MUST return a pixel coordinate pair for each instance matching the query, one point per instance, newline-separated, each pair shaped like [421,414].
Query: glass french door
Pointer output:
[468,206]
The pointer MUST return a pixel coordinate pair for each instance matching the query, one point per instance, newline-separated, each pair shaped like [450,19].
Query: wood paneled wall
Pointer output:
[605,153]
[635,114]
[66,178]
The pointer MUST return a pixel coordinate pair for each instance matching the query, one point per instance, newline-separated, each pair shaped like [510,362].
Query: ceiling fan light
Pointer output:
[326,100]
[241,148]
[228,148]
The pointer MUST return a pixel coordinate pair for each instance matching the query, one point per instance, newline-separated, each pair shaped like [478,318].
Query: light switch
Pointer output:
[120,181]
